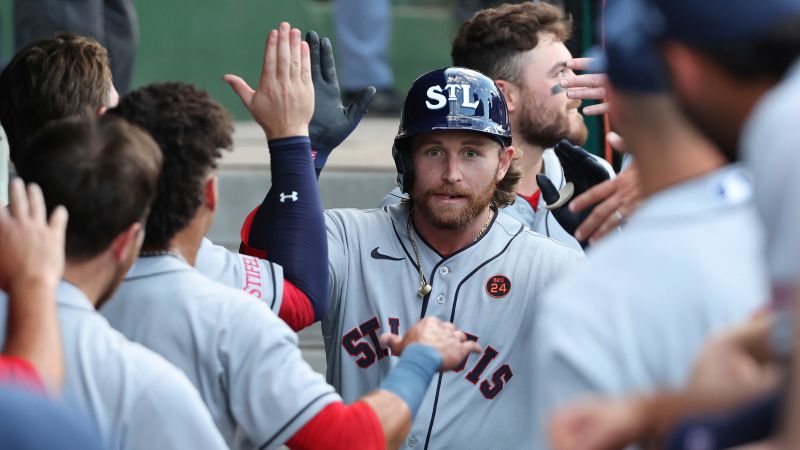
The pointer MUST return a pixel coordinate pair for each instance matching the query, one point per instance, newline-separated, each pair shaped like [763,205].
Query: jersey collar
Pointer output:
[146,266]
[68,294]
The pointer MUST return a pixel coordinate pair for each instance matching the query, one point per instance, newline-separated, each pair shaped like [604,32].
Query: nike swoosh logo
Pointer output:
[377,255]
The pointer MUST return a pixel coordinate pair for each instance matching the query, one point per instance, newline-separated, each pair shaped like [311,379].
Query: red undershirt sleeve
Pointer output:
[19,371]
[341,427]
[296,309]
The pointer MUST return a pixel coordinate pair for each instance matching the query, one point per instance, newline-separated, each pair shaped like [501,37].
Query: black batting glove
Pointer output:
[332,122]
[580,167]
[581,172]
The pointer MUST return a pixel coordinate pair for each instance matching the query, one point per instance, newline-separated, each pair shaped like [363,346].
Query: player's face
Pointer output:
[545,115]
[455,174]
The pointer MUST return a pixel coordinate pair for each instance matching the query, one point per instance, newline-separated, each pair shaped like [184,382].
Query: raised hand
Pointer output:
[332,121]
[589,86]
[283,102]
[32,265]
[32,248]
[442,336]
[611,202]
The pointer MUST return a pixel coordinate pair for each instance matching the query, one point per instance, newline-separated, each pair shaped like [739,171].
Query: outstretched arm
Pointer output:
[330,125]
[32,265]
[384,416]
[293,233]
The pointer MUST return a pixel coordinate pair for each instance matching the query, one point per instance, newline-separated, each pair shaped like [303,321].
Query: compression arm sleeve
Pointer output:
[289,225]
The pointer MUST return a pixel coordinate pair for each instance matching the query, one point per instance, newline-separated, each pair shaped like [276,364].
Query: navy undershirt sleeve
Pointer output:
[290,225]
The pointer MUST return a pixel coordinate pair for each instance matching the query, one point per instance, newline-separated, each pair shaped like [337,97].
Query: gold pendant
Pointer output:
[424,290]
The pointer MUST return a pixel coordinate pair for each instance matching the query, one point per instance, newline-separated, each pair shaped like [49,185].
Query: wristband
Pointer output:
[412,375]
[320,157]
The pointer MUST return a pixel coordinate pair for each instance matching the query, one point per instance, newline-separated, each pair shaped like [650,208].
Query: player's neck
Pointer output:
[447,241]
[664,163]
[186,243]
[531,164]
[91,276]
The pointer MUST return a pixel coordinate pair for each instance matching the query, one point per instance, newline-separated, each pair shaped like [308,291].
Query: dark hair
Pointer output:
[191,129]
[769,55]
[494,40]
[51,79]
[103,171]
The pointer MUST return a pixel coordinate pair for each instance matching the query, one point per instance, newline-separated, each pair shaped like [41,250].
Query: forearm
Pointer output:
[289,225]
[33,331]
[390,408]
[393,414]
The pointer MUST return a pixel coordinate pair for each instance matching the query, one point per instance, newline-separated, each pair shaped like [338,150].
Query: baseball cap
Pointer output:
[710,22]
[629,59]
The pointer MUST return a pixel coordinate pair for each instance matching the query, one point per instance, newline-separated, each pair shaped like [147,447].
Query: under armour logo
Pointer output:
[292,197]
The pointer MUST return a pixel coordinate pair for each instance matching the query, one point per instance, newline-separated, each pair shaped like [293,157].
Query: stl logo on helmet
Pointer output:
[437,99]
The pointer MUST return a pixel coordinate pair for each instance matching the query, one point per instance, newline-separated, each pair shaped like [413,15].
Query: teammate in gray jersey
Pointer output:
[445,253]
[595,335]
[521,46]
[243,359]
[105,174]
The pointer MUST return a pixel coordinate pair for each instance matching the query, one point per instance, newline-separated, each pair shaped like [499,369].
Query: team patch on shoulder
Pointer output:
[498,286]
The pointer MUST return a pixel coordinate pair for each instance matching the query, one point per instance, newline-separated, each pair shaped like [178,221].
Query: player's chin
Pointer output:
[449,216]
[578,132]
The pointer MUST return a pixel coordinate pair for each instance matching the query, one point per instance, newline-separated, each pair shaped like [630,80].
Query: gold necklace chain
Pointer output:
[424,286]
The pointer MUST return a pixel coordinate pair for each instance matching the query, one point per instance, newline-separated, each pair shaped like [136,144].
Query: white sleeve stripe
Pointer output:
[274,287]
[296,416]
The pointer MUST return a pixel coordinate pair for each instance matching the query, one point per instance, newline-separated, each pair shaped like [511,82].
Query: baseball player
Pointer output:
[444,253]
[240,355]
[105,174]
[595,335]
[521,47]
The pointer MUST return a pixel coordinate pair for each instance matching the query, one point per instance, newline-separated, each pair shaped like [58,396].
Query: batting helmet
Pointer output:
[453,98]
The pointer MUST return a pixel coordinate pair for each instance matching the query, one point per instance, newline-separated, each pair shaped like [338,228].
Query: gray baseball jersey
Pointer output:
[769,149]
[242,358]
[488,289]
[692,262]
[258,277]
[135,398]
[540,220]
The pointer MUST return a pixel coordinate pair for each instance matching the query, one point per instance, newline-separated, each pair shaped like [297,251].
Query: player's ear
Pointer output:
[510,93]
[506,155]
[127,242]
[687,69]
[211,192]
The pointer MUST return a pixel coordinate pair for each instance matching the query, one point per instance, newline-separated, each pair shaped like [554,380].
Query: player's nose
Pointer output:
[453,172]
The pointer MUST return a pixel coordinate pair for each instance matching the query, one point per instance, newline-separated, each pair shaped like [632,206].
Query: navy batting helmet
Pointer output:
[453,98]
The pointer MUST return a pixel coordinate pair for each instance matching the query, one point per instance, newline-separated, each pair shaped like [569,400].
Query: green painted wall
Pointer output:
[198,41]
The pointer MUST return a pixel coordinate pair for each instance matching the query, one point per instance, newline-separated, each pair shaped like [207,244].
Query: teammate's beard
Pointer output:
[454,217]
[544,126]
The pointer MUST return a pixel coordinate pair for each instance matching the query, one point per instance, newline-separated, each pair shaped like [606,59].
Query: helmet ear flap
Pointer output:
[404,166]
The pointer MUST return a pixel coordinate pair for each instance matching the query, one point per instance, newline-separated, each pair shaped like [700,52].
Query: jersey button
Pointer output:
[444,270]
[412,441]
[440,299]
